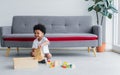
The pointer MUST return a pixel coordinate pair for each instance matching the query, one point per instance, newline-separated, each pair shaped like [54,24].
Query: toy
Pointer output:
[57,62]
[53,64]
[24,63]
[48,62]
[67,65]
[38,54]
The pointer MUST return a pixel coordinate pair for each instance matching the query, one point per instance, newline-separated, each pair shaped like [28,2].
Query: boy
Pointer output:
[41,41]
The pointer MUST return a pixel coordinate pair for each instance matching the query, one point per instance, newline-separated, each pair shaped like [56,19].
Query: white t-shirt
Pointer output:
[36,43]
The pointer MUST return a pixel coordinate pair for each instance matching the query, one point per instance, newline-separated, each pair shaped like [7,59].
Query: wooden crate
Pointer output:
[25,63]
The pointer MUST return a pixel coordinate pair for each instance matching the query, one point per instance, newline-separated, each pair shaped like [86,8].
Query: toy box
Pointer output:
[25,63]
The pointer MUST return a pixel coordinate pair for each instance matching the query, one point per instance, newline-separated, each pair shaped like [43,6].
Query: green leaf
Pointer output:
[110,0]
[96,1]
[100,3]
[113,9]
[109,15]
[104,12]
[97,8]
[106,3]
[90,8]
[103,7]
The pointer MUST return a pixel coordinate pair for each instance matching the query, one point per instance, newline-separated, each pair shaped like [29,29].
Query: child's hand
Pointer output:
[33,54]
[41,45]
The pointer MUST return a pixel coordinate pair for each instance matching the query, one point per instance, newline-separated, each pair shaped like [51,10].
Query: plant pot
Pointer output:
[101,48]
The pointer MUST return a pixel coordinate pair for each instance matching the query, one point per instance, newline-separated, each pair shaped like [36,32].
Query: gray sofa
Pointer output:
[62,31]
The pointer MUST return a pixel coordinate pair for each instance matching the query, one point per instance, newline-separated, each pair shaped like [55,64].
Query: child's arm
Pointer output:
[33,49]
[33,52]
[45,43]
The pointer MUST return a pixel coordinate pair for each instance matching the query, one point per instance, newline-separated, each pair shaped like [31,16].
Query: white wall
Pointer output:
[116,41]
[9,8]
[119,22]
[108,34]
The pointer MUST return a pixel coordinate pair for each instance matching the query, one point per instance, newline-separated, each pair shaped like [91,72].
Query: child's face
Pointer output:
[38,34]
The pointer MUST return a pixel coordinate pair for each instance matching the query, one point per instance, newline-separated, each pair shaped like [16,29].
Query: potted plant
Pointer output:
[102,8]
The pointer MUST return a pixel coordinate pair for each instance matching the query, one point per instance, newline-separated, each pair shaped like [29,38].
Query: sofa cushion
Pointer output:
[53,24]
[18,37]
[51,37]
[71,36]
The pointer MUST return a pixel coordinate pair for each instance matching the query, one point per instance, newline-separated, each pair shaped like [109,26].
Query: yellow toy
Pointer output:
[52,65]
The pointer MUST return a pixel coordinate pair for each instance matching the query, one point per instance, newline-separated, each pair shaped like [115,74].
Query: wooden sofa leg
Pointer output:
[88,49]
[8,51]
[94,50]
[17,50]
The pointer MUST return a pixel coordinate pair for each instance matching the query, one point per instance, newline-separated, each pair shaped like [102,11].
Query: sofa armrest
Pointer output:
[4,30]
[97,29]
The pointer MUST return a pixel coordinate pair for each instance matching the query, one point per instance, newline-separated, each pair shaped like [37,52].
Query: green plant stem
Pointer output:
[102,19]
[97,18]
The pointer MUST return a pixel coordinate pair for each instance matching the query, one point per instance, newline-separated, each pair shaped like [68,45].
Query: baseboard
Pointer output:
[116,51]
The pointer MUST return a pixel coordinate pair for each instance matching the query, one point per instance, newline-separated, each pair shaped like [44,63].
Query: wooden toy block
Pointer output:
[25,63]
[38,54]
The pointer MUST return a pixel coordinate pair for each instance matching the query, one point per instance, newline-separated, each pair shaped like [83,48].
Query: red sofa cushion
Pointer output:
[69,38]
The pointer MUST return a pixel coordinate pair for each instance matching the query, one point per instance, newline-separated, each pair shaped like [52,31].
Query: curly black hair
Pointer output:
[40,27]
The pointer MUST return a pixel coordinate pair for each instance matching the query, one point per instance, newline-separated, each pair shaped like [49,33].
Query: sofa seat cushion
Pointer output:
[71,36]
[18,37]
[52,37]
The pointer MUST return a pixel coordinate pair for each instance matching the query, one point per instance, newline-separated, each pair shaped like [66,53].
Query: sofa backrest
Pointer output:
[53,24]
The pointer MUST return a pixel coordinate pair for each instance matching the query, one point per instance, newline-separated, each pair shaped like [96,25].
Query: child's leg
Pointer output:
[32,53]
[48,56]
